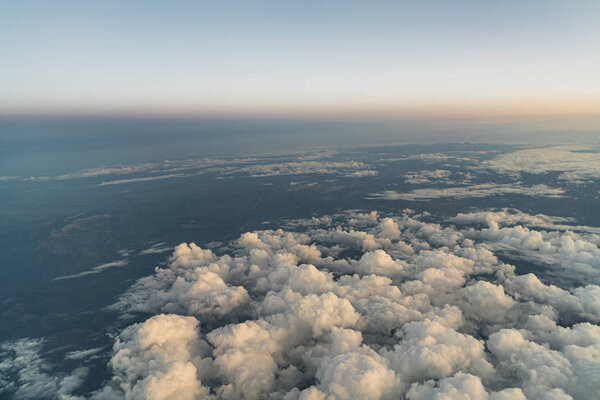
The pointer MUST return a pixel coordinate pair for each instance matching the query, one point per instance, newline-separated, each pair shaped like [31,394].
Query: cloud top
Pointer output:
[360,306]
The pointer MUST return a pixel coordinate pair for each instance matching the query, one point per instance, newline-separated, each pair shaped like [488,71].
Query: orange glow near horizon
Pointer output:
[512,108]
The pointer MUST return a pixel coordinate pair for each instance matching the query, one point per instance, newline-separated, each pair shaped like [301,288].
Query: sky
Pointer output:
[310,57]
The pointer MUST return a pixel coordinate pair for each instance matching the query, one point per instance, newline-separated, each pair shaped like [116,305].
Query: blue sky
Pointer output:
[265,57]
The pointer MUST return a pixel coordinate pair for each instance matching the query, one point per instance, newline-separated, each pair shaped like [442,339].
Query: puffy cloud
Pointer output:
[509,217]
[311,315]
[357,376]
[486,301]
[539,369]
[388,228]
[571,250]
[555,394]
[580,303]
[460,386]
[378,262]
[429,349]
[189,256]
[508,394]
[244,357]
[158,359]
[178,381]
[303,279]
[345,340]
[201,293]
[209,294]
[360,305]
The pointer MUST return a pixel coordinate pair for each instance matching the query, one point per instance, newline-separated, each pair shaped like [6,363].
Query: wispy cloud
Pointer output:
[461,192]
[156,248]
[95,270]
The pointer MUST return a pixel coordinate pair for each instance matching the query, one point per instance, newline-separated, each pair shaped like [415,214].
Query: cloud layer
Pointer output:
[576,164]
[360,306]
[462,192]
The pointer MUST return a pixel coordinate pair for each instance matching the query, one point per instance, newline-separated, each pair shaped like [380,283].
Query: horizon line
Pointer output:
[457,110]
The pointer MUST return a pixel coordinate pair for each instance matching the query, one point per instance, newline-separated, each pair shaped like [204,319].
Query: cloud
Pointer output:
[460,387]
[429,349]
[486,301]
[356,375]
[159,359]
[259,166]
[360,305]
[570,250]
[427,176]
[81,354]
[508,217]
[538,368]
[169,167]
[156,248]
[24,373]
[361,174]
[268,165]
[415,289]
[577,164]
[343,168]
[427,157]
[258,169]
[462,192]
[102,171]
[144,179]
[96,270]
[378,262]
